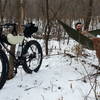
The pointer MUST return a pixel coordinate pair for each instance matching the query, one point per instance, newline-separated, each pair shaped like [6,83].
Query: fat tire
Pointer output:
[38,46]
[5,68]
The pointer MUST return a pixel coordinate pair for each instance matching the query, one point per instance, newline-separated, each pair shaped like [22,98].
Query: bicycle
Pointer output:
[29,56]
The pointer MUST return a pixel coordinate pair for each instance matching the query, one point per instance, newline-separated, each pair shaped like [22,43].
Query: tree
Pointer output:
[12,49]
[19,19]
[2,9]
[47,28]
[89,15]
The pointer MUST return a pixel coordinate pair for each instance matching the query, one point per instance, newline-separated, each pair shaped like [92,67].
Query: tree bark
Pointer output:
[2,10]
[19,17]
[89,15]
[12,49]
[11,63]
[47,29]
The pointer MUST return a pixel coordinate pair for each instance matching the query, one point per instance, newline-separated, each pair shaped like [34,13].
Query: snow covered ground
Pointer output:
[59,78]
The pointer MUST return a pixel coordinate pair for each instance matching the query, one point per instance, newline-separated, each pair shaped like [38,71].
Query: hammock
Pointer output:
[95,32]
[83,40]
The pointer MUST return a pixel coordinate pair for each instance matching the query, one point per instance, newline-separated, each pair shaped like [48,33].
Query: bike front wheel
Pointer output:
[32,53]
[4,68]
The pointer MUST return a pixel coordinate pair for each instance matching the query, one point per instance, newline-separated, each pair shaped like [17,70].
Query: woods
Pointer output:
[53,24]
[62,8]
[48,12]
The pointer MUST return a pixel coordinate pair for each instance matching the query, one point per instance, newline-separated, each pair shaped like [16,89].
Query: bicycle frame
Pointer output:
[3,45]
[18,59]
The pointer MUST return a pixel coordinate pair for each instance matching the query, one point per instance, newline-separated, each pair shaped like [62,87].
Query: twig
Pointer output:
[32,87]
[42,97]
[95,66]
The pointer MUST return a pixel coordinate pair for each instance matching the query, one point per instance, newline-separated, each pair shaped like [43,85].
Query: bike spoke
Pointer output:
[33,56]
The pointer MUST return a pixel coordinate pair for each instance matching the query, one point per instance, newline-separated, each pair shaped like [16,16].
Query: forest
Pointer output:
[42,34]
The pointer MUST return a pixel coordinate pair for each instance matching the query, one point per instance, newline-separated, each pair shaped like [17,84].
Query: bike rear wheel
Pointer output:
[4,68]
[33,56]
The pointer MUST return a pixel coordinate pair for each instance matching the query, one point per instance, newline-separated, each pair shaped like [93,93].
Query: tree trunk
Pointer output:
[1,12]
[12,49]
[19,17]
[11,59]
[11,63]
[89,15]
[47,29]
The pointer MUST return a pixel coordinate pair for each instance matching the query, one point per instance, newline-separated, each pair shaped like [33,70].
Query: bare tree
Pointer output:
[12,49]
[89,15]
[2,9]
[47,29]
[19,19]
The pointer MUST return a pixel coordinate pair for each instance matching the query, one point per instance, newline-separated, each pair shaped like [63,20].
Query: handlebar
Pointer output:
[29,28]
[7,25]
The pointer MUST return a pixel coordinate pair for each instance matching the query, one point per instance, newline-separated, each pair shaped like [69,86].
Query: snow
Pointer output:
[59,78]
